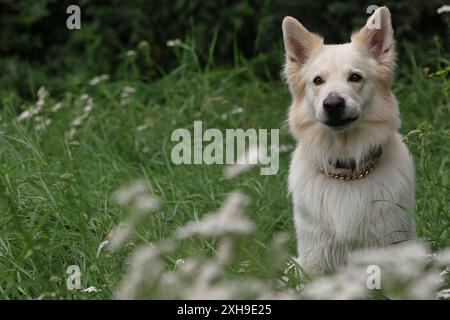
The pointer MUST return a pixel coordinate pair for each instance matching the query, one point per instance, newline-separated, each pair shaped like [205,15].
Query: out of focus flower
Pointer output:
[80,119]
[130,53]
[228,220]
[423,286]
[98,79]
[119,236]
[56,107]
[145,270]
[127,193]
[347,285]
[237,110]
[174,43]
[125,95]
[136,195]
[245,163]
[443,294]
[36,108]
[43,124]
[101,246]
[90,290]
[400,261]
[443,9]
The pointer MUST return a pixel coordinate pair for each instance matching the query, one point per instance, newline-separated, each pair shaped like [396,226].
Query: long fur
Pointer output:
[334,217]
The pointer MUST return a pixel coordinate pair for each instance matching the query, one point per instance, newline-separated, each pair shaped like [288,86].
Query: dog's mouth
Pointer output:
[340,123]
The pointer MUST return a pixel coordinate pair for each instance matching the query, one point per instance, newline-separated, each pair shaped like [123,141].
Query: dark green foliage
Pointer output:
[35,31]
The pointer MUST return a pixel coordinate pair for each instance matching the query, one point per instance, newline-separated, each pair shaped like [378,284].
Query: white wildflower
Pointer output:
[188,266]
[145,203]
[444,8]
[237,110]
[444,275]
[129,192]
[443,294]
[25,115]
[36,108]
[205,279]
[342,286]
[207,283]
[443,257]
[42,94]
[56,107]
[424,287]
[85,97]
[119,236]
[245,162]
[43,124]
[78,120]
[130,53]
[174,43]
[87,109]
[179,262]
[243,266]
[98,79]
[279,253]
[400,261]
[125,95]
[47,296]
[145,271]
[136,195]
[90,289]
[267,293]
[142,127]
[71,134]
[229,219]
[285,148]
[128,89]
[225,251]
[100,247]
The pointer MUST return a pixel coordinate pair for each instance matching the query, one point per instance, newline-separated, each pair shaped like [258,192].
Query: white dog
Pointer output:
[351,176]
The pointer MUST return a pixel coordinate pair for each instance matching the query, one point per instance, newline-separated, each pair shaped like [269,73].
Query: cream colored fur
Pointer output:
[333,217]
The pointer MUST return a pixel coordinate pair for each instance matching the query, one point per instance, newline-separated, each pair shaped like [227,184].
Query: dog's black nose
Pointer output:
[334,104]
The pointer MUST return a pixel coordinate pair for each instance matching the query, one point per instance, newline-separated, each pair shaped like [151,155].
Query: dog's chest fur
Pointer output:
[370,212]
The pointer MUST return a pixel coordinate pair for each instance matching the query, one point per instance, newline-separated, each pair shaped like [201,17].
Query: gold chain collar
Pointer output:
[372,164]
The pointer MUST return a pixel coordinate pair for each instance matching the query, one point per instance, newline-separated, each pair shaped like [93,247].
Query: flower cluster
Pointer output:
[156,270]
[96,80]
[35,109]
[125,95]
[80,119]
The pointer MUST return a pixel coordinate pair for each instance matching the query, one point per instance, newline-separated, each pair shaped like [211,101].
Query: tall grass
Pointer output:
[61,165]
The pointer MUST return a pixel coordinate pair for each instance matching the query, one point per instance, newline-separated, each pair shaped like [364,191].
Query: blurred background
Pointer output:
[33,34]
[84,112]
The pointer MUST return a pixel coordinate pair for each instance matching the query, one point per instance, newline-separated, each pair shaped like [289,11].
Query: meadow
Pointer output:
[79,138]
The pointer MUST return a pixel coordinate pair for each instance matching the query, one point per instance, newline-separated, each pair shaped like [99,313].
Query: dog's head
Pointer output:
[339,87]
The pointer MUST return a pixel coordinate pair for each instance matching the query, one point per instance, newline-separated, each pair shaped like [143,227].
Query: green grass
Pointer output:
[55,195]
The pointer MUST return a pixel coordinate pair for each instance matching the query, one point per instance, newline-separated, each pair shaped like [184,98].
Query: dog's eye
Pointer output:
[354,77]
[318,81]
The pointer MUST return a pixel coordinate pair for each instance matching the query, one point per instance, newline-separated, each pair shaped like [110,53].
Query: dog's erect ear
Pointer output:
[378,37]
[298,42]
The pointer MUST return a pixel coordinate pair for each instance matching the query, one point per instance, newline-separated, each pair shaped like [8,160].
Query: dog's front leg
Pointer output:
[319,251]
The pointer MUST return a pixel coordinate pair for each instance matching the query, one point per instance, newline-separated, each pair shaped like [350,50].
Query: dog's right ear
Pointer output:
[298,41]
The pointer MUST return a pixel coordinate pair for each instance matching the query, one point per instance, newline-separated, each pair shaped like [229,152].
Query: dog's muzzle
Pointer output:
[334,106]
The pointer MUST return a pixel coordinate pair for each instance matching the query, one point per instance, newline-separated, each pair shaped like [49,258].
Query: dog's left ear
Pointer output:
[377,36]
[298,41]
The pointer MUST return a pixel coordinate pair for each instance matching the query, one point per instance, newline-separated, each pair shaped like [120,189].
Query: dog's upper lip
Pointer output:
[340,122]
